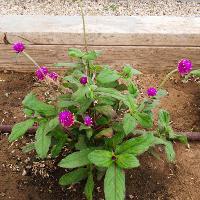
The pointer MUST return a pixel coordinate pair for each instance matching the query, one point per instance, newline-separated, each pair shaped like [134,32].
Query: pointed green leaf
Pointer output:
[136,146]
[114,183]
[40,107]
[20,129]
[129,123]
[74,176]
[89,187]
[74,52]
[107,76]
[106,110]
[101,158]
[169,149]
[42,141]
[127,161]
[51,125]
[76,159]
[144,119]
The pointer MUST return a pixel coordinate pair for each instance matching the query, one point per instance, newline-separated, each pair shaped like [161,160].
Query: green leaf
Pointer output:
[84,105]
[102,120]
[61,139]
[169,151]
[129,71]
[114,183]
[127,161]
[20,129]
[130,102]
[76,159]
[28,112]
[72,80]
[108,132]
[42,108]
[42,141]
[106,100]
[129,123]
[52,124]
[195,72]
[144,119]
[66,104]
[76,53]
[106,110]
[181,138]
[80,94]
[101,158]
[29,147]
[109,92]
[89,187]
[107,76]
[136,146]
[91,55]
[114,140]
[132,88]
[74,176]
[164,118]
[71,65]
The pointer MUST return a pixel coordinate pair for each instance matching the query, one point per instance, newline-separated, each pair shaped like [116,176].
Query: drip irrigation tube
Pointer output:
[192,136]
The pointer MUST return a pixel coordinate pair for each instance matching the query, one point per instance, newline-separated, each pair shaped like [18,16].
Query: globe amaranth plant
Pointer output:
[99,116]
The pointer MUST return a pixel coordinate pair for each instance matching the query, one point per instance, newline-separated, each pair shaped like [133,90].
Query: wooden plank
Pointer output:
[145,58]
[103,31]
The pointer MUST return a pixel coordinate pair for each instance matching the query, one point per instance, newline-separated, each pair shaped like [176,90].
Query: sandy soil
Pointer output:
[26,178]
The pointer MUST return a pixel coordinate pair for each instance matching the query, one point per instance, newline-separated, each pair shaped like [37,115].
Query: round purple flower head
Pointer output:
[83,80]
[88,121]
[18,47]
[152,92]
[41,73]
[53,76]
[184,66]
[66,118]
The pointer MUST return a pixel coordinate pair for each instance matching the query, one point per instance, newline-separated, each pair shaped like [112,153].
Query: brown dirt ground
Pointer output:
[23,177]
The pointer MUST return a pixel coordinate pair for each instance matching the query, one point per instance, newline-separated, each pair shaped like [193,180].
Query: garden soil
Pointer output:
[23,177]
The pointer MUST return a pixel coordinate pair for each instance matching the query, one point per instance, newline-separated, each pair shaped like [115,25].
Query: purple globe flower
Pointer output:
[66,118]
[184,66]
[83,80]
[41,73]
[88,121]
[18,47]
[53,76]
[152,92]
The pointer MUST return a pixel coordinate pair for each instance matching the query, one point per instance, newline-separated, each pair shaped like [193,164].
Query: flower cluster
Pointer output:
[184,66]
[42,72]
[152,92]
[18,47]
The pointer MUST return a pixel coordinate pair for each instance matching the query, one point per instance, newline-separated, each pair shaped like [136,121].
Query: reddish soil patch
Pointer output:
[24,177]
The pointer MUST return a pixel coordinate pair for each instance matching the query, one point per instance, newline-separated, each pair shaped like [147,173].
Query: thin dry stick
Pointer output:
[84,29]
[84,35]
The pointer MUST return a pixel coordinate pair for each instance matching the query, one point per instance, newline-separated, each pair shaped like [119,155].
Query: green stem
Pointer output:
[167,77]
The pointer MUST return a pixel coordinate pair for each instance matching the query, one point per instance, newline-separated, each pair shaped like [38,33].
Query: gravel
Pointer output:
[101,7]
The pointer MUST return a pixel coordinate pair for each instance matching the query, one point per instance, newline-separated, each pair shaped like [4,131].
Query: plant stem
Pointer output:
[84,29]
[47,80]
[167,77]
[84,36]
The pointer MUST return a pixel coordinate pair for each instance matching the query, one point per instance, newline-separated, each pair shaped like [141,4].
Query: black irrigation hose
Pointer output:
[192,136]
